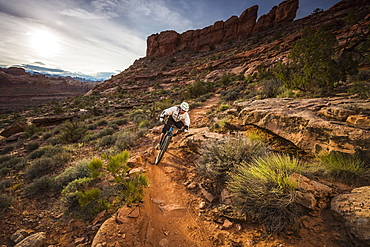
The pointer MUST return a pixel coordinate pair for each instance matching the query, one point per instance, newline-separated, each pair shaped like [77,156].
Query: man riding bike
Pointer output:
[178,116]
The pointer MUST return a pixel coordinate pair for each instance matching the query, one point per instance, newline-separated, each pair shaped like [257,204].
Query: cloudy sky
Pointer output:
[104,37]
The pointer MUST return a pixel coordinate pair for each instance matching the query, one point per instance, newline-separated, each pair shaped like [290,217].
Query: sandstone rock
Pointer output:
[34,240]
[227,224]
[19,235]
[13,129]
[360,120]
[337,113]
[298,122]
[168,42]
[355,209]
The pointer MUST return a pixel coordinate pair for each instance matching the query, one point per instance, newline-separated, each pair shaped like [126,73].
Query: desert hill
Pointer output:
[20,89]
[80,172]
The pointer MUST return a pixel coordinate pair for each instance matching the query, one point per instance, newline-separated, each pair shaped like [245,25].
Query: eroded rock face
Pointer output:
[167,42]
[355,209]
[301,121]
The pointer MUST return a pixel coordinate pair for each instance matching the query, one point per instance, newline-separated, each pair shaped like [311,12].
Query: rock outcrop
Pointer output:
[303,122]
[355,209]
[168,42]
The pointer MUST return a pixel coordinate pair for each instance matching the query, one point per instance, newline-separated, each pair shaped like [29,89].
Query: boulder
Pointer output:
[13,129]
[355,209]
[34,240]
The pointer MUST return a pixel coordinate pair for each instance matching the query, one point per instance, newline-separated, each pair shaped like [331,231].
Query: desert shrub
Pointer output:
[5,201]
[7,149]
[344,167]
[126,139]
[4,171]
[361,88]
[271,88]
[39,167]
[47,135]
[145,123]
[38,186]
[72,131]
[224,107]
[80,170]
[106,132]
[117,165]
[263,191]
[102,122]
[32,130]
[47,151]
[199,88]
[227,79]
[219,157]
[106,141]
[88,196]
[69,193]
[314,67]
[92,126]
[6,183]
[134,188]
[32,146]
[119,122]
[5,158]
[13,162]
[95,167]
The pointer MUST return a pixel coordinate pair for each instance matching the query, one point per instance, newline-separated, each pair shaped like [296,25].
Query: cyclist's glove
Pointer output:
[161,119]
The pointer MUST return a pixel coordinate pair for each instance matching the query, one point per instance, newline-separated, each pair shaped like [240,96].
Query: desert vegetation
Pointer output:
[83,161]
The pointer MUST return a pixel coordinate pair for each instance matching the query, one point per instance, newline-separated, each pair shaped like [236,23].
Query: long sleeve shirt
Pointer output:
[174,111]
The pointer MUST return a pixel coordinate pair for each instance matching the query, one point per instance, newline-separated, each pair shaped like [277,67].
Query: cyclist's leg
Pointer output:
[179,124]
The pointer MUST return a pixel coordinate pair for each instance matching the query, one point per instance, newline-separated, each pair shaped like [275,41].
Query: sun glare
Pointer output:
[44,43]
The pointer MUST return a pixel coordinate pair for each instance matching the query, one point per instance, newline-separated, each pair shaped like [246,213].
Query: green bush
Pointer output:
[5,201]
[126,139]
[344,167]
[117,165]
[80,170]
[69,193]
[39,167]
[263,191]
[220,157]
[199,88]
[72,131]
[7,149]
[314,67]
[38,186]
[12,162]
[95,167]
[32,146]
[134,188]
[47,151]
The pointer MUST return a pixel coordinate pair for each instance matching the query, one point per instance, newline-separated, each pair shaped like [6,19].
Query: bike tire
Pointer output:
[163,149]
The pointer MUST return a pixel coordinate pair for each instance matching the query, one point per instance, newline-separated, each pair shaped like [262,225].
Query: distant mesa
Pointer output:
[168,42]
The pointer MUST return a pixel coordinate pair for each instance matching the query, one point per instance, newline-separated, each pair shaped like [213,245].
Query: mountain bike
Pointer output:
[165,142]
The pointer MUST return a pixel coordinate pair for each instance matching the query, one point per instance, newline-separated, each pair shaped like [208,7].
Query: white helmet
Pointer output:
[184,106]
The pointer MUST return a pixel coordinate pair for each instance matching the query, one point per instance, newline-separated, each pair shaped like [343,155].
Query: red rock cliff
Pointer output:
[167,42]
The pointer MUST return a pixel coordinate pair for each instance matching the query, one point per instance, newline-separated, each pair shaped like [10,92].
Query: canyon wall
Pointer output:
[168,42]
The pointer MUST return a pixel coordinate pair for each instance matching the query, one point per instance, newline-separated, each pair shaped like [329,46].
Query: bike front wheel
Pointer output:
[164,146]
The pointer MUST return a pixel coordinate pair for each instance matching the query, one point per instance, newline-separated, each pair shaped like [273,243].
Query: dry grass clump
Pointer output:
[262,190]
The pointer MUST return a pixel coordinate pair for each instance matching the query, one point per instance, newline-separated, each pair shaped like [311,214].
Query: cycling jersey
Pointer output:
[174,111]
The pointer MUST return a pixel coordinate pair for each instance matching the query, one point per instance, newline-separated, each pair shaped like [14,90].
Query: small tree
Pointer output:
[314,65]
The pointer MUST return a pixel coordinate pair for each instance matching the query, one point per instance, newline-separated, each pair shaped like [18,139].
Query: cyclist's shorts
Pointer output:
[170,122]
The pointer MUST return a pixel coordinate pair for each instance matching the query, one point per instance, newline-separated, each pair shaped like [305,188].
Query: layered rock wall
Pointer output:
[167,42]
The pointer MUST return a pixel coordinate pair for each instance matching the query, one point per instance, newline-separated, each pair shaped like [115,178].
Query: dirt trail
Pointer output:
[167,216]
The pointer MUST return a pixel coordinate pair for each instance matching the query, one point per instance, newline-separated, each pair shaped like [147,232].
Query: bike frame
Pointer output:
[164,144]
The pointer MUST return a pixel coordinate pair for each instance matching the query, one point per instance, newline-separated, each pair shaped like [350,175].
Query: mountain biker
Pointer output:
[178,116]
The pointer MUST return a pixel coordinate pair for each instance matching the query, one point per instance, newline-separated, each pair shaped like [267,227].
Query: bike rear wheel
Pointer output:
[164,146]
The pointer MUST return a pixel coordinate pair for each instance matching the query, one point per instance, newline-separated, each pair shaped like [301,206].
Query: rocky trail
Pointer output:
[167,216]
